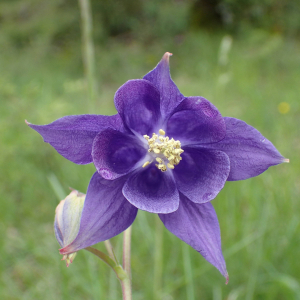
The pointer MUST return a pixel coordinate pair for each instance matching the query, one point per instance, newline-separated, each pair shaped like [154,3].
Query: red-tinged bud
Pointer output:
[67,221]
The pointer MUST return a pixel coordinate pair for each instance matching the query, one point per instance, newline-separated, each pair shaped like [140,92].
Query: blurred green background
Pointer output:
[241,55]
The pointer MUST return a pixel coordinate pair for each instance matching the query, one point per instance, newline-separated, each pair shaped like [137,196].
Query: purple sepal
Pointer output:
[137,102]
[152,190]
[196,121]
[198,226]
[170,95]
[58,233]
[250,153]
[116,153]
[72,136]
[202,173]
[106,213]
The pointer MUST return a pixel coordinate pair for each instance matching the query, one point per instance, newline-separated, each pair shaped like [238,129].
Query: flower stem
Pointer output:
[123,274]
[104,257]
[158,258]
[88,50]
[110,250]
[126,283]
[188,270]
[126,250]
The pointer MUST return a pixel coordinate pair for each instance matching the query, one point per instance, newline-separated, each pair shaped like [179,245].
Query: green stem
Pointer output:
[117,268]
[110,250]
[88,49]
[126,250]
[104,257]
[126,283]
[188,270]
[158,258]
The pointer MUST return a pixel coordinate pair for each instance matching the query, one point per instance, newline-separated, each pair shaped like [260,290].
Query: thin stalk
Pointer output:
[122,274]
[88,50]
[188,270]
[126,283]
[110,250]
[158,258]
[104,257]
[126,288]
[126,250]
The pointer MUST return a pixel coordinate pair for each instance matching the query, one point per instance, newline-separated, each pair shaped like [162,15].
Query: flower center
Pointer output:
[165,151]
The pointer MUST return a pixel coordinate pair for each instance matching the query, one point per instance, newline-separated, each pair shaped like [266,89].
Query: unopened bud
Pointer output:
[67,221]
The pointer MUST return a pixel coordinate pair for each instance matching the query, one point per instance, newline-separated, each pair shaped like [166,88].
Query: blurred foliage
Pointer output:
[57,22]
[281,16]
[38,23]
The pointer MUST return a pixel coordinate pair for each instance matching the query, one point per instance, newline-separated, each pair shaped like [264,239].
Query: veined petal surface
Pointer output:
[202,173]
[250,153]
[138,104]
[72,136]
[106,213]
[152,190]
[115,153]
[160,77]
[198,226]
[196,121]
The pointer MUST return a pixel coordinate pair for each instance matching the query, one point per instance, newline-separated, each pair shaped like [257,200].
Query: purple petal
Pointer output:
[106,213]
[58,233]
[196,121]
[202,173]
[72,136]
[160,77]
[152,190]
[250,153]
[137,102]
[197,225]
[116,153]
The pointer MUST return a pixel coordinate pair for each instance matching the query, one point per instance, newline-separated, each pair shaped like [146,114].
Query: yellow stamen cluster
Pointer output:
[167,150]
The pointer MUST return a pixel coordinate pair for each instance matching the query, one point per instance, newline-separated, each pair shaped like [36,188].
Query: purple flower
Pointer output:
[164,153]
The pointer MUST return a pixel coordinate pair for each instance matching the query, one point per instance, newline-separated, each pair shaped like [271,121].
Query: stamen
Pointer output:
[166,151]
[146,164]
[161,132]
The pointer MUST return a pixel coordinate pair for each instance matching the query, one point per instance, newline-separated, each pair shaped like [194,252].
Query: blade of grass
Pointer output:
[56,186]
[188,272]
[88,50]
[158,259]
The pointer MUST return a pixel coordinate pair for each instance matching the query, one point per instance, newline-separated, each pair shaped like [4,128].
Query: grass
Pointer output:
[259,217]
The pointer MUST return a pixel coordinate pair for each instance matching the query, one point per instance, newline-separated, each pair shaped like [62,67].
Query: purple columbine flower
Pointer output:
[164,153]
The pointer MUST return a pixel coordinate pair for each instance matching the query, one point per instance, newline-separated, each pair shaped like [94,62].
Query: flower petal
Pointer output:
[106,213]
[170,95]
[250,153]
[202,173]
[115,153]
[152,190]
[58,222]
[198,226]
[137,102]
[196,121]
[72,136]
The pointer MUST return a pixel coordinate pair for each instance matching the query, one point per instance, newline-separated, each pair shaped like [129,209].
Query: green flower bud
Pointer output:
[67,221]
